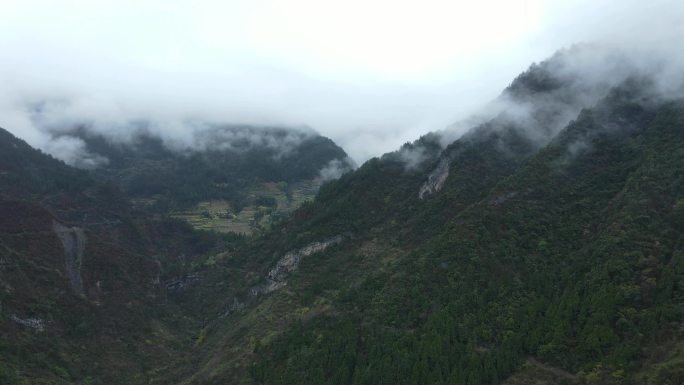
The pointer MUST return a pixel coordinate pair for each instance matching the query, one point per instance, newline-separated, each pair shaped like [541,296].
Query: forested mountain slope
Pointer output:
[574,259]
[555,258]
[216,162]
[83,275]
[542,246]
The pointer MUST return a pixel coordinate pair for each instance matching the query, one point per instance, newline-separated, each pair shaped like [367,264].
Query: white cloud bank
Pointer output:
[369,74]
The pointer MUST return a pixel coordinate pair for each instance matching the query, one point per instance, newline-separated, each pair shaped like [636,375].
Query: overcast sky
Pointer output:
[370,74]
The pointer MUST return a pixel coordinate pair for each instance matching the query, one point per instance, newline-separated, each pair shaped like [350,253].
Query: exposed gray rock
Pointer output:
[73,240]
[182,283]
[437,177]
[278,275]
[234,307]
[33,323]
[157,278]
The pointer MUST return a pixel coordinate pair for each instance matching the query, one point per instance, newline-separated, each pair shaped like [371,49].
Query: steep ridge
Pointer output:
[82,275]
[569,259]
[519,244]
[73,239]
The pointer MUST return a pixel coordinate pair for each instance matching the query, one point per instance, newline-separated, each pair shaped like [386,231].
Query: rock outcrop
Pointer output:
[74,240]
[180,284]
[278,275]
[234,307]
[36,324]
[437,177]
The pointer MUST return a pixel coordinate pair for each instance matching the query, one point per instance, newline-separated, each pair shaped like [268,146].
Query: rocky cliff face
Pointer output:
[33,323]
[180,284]
[278,275]
[437,177]
[74,240]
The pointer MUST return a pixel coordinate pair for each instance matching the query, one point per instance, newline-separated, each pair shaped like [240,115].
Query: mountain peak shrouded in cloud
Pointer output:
[542,99]
[547,96]
[370,76]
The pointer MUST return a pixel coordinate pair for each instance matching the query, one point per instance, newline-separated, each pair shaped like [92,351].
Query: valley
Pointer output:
[541,246]
[268,203]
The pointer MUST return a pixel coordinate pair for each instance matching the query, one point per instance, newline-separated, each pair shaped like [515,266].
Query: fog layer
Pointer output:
[369,75]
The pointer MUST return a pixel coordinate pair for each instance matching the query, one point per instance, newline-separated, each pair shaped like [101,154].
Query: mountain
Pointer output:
[83,274]
[31,175]
[229,178]
[512,255]
[542,246]
[572,259]
[87,271]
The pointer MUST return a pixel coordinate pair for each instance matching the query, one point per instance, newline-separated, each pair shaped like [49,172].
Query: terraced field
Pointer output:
[267,201]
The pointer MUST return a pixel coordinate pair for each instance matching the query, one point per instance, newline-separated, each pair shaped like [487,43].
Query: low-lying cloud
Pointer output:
[336,168]
[546,97]
[387,80]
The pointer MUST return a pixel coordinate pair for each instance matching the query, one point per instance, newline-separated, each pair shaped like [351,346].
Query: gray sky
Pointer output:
[370,74]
